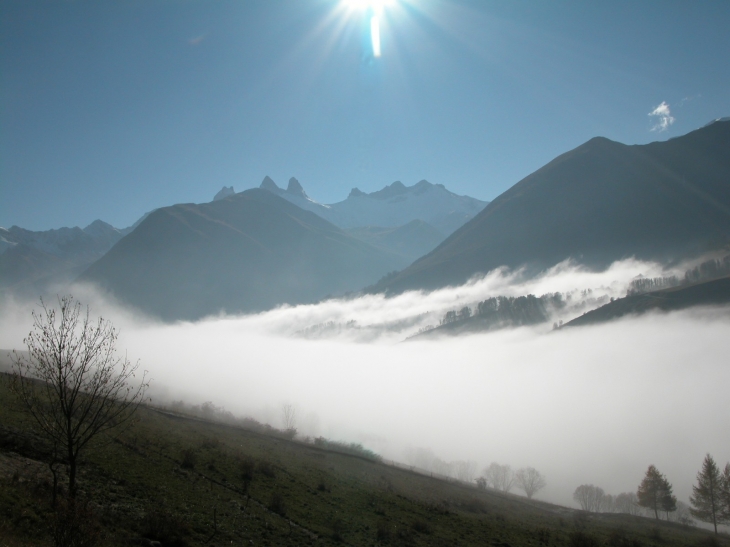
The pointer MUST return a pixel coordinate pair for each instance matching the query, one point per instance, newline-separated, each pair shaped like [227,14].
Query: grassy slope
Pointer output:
[138,484]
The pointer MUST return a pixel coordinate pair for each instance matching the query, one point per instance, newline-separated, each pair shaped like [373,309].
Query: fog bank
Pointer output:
[584,405]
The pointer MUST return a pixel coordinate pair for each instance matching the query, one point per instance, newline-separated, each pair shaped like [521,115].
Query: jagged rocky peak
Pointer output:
[224,193]
[296,189]
[395,189]
[356,193]
[269,184]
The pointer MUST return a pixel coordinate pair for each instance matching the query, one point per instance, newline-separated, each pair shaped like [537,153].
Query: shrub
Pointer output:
[267,469]
[618,538]
[74,524]
[421,526]
[276,504]
[189,458]
[338,529]
[161,525]
[382,533]
[246,469]
[582,539]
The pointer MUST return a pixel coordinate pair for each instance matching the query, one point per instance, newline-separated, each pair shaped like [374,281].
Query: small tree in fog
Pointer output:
[72,382]
[499,477]
[466,470]
[608,504]
[589,497]
[655,492]
[706,498]
[530,480]
[289,417]
[627,502]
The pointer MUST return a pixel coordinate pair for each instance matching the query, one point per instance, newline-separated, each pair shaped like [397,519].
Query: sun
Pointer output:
[376,8]
[376,5]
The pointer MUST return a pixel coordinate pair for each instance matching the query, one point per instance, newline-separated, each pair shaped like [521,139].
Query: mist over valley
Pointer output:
[492,307]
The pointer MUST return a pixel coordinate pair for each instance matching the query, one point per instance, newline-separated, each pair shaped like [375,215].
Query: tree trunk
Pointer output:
[72,477]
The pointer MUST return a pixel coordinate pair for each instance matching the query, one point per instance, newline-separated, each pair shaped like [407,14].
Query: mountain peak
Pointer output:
[725,119]
[296,189]
[99,228]
[356,193]
[224,193]
[269,184]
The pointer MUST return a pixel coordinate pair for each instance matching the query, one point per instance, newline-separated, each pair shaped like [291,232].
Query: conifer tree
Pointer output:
[725,493]
[655,492]
[706,498]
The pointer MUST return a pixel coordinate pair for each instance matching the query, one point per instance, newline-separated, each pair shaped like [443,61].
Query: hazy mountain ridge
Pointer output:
[30,261]
[411,240]
[395,205]
[600,202]
[247,252]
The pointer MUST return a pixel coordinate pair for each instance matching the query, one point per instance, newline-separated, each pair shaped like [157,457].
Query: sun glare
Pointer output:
[375,7]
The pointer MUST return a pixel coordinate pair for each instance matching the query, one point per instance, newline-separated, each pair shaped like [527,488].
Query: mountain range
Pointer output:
[30,261]
[598,203]
[393,206]
[247,252]
[257,249]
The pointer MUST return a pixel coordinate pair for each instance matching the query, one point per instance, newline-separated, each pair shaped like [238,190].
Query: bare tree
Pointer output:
[72,382]
[530,480]
[608,504]
[466,471]
[289,417]
[627,502]
[499,477]
[589,497]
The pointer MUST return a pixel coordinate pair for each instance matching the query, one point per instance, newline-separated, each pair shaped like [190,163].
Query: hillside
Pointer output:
[598,203]
[248,252]
[708,293]
[186,482]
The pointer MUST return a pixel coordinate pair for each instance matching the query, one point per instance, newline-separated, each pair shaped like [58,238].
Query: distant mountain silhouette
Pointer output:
[598,203]
[247,252]
[31,262]
[410,241]
[393,206]
[707,293]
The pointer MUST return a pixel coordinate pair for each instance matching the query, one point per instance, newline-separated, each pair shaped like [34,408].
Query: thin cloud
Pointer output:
[664,117]
[197,39]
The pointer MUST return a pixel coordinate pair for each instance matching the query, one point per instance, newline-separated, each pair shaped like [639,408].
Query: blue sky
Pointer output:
[110,109]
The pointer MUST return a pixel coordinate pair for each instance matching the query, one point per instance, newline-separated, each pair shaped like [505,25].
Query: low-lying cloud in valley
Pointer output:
[583,405]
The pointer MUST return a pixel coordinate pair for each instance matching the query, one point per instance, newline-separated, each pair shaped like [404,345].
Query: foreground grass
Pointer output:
[185,482]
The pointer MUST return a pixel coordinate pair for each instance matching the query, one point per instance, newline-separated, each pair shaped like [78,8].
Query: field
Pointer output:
[183,481]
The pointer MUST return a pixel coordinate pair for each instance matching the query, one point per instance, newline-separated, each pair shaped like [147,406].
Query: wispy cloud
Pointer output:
[197,39]
[664,117]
